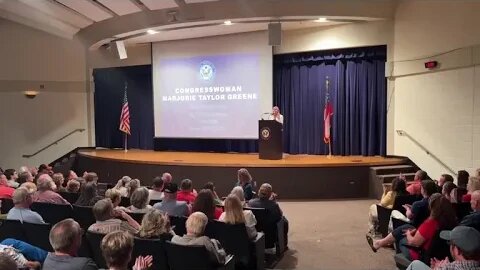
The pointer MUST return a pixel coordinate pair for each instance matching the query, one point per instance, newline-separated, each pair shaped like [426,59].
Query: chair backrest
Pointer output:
[179,225]
[404,199]
[383,219]
[154,247]
[152,202]
[188,257]
[12,229]
[137,216]
[52,213]
[7,204]
[83,215]
[124,201]
[71,197]
[234,239]
[462,209]
[94,240]
[38,235]
[266,225]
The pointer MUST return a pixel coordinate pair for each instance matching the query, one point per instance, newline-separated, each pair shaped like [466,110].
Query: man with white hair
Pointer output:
[473,220]
[66,239]
[46,193]
[167,178]
[6,192]
[21,211]
[196,224]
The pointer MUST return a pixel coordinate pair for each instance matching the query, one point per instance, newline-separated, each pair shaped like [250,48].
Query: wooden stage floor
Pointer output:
[235,159]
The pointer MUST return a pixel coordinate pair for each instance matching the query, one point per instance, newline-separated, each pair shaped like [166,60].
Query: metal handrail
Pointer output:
[54,143]
[428,152]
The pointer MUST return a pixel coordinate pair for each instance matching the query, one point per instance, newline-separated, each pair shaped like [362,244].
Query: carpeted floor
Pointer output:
[331,235]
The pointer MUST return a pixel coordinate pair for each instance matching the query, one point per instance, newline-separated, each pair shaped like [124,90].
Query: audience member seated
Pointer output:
[211,187]
[167,178]
[12,177]
[22,200]
[6,192]
[464,249]
[18,259]
[46,193]
[444,178]
[234,214]
[196,224]
[45,169]
[418,211]
[238,192]
[473,220]
[415,187]
[244,180]
[71,176]
[117,250]
[30,186]
[91,177]
[115,196]
[170,205]
[107,222]
[31,253]
[155,225]
[205,203]
[139,201]
[88,195]
[58,180]
[462,180]
[473,184]
[156,193]
[73,186]
[398,188]
[66,239]
[442,217]
[447,190]
[122,185]
[186,192]
[24,177]
[132,186]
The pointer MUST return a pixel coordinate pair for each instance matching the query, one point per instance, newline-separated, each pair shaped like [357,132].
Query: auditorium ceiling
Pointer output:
[99,22]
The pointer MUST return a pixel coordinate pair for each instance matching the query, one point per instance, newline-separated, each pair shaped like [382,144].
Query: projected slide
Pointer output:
[215,96]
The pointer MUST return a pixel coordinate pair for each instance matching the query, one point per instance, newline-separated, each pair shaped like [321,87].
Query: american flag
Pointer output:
[125,115]
[327,115]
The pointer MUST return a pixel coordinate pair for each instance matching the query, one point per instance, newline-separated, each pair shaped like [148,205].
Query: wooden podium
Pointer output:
[270,139]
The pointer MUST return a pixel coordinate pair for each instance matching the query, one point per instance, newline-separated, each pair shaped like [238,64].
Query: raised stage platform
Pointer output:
[294,177]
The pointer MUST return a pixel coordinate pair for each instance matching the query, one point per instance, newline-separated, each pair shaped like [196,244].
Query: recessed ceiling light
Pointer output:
[321,20]
[151,32]
[227,23]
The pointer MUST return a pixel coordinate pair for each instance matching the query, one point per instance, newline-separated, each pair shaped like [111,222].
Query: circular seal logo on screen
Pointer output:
[265,133]
[207,71]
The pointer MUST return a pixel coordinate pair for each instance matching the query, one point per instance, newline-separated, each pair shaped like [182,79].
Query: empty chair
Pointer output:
[154,247]
[37,235]
[193,258]
[12,229]
[52,213]
[178,225]
[7,204]
[94,241]
[83,215]
[404,199]
[383,215]
[71,197]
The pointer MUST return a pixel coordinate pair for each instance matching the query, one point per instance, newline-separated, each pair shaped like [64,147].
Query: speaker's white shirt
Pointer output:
[279,118]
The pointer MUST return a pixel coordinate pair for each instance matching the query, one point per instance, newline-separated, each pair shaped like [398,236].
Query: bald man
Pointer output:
[473,220]
[167,178]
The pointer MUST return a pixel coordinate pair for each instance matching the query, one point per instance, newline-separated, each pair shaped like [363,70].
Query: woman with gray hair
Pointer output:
[196,224]
[139,201]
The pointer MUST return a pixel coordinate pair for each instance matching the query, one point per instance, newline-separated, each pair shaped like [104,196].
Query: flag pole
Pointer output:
[125,144]
[327,84]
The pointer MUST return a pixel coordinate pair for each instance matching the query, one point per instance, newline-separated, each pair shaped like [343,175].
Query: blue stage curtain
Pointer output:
[357,93]
[109,91]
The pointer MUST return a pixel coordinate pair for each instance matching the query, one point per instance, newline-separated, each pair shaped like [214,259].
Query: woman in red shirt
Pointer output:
[186,193]
[442,217]
[205,203]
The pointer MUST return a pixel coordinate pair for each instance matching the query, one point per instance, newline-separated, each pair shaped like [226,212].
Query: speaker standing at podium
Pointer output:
[275,115]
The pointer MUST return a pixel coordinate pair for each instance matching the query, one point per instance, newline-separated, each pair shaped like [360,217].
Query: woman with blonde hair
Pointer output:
[121,185]
[234,214]
[155,225]
[238,191]
[244,180]
[472,185]
[132,186]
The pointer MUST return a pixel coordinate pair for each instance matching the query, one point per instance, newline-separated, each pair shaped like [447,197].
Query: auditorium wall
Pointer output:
[438,109]
[30,58]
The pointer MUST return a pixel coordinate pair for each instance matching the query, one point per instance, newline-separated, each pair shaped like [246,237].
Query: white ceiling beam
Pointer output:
[159,4]
[120,7]
[88,8]
[59,11]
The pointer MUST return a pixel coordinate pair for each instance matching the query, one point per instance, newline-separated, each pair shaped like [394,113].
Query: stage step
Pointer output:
[393,169]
